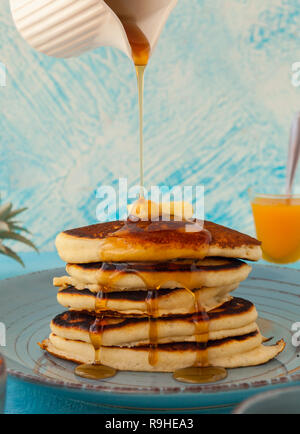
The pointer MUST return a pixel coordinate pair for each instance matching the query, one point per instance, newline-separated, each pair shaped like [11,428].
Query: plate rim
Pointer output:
[260,397]
[206,388]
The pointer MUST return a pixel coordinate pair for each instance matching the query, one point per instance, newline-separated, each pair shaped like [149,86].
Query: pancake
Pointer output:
[112,241]
[234,318]
[188,273]
[233,352]
[151,279]
[169,301]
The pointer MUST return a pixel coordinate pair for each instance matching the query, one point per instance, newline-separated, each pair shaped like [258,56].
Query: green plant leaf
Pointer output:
[5,210]
[7,235]
[4,226]
[10,229]
[2,247]
[9,252]
[14,227]
[16,212]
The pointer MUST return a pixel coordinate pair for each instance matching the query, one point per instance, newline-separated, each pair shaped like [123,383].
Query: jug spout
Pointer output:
[149,15]
[68,28]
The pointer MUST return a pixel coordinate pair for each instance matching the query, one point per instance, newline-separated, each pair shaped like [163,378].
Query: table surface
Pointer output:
[26,398]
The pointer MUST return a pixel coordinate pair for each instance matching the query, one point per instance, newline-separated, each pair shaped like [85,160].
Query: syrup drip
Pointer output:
[140,72]
[97,371]
[201,321]
[152,310]
[141,49]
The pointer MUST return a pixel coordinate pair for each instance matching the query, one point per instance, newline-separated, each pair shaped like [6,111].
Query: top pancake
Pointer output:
[113,242]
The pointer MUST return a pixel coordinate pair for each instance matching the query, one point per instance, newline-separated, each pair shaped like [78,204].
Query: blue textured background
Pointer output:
[218,104]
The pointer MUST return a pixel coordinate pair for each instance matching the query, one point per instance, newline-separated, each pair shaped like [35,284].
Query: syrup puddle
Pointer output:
[197,375]
[95,371]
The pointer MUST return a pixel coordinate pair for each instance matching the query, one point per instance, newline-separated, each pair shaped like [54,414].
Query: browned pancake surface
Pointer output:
[188,346]
[121,295]
[182,265]
[221,236]
[83,320]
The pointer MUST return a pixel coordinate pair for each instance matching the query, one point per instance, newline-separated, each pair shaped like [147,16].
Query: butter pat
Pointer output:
[148,210]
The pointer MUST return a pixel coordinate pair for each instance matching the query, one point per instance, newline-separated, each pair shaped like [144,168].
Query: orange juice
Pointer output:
[277,221]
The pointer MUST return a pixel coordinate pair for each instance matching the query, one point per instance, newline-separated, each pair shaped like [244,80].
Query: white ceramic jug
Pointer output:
[68,28]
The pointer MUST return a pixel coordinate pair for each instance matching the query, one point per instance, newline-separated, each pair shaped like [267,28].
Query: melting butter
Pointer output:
[148,210]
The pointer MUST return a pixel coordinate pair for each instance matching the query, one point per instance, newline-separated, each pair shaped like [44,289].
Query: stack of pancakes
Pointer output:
[156,298]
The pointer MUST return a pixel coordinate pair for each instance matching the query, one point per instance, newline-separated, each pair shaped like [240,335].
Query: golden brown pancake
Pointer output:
[232,352]
[169,301]
[182,273]
[112,241]
[234,318]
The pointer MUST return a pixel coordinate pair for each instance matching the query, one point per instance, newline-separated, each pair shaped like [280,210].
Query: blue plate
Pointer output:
[281,401]
[28,303]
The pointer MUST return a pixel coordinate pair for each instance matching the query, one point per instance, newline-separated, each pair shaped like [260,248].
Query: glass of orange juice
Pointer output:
[277,223]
